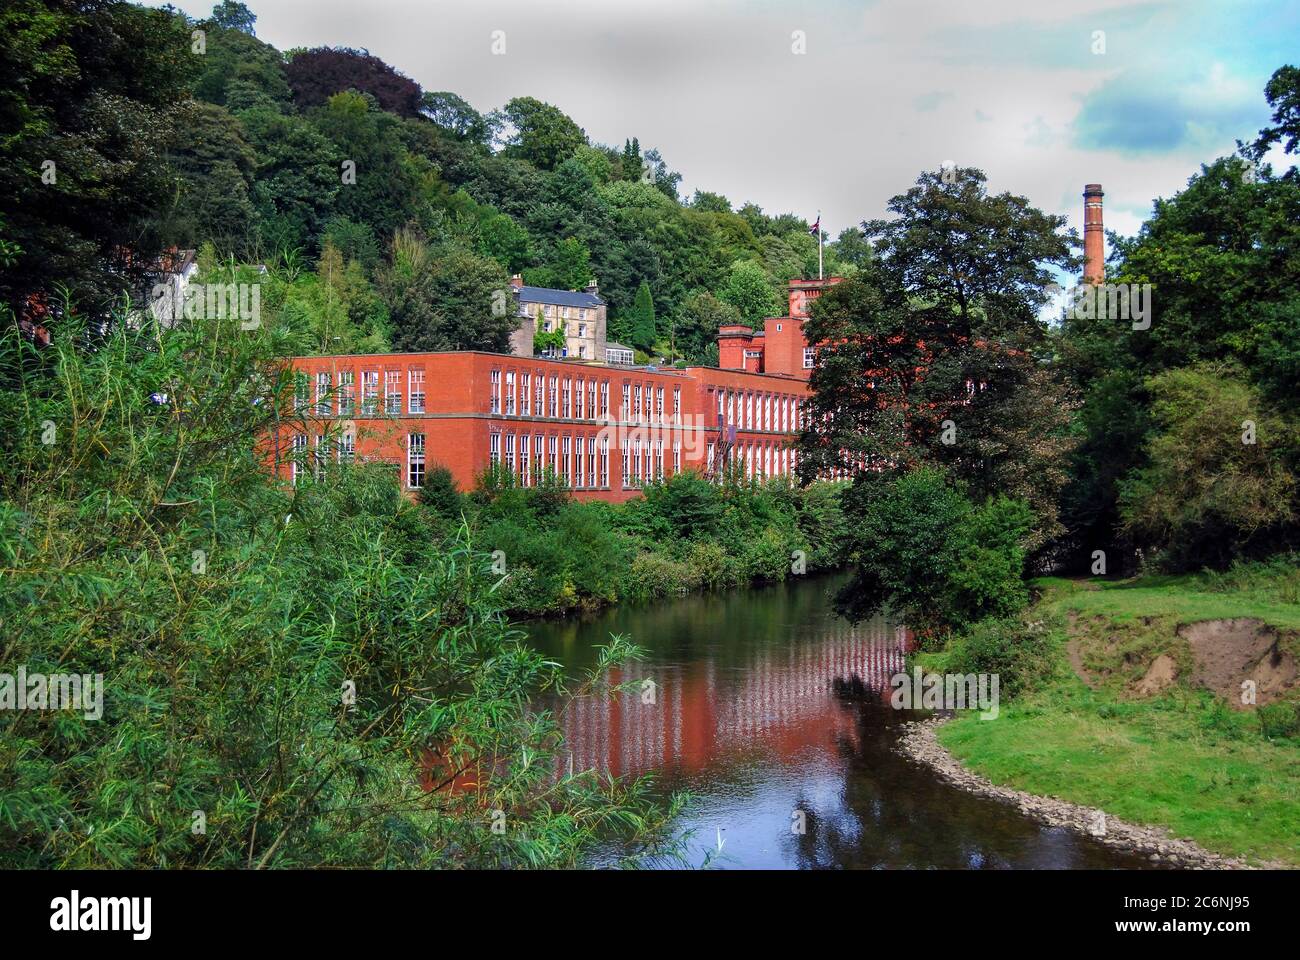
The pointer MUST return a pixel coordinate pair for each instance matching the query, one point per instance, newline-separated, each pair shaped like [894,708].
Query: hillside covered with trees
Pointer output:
[386,214]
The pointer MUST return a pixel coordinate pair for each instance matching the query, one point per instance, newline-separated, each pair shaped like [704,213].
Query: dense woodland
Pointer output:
[387,214]
[142,537]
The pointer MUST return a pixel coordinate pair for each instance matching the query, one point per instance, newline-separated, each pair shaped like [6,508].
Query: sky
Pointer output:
[835,106]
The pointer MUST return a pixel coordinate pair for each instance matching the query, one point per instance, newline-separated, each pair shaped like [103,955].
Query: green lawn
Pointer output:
[1183,760]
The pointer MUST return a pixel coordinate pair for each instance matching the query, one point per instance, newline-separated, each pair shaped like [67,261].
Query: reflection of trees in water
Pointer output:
[894,814]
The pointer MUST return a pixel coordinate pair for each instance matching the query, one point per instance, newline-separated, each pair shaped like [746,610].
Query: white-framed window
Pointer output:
[627,465]
[538,470]
[301,392]
[551,400]
[415,391]
[568,398]
[604,398]
[591,399]
[591,462]
[510,393]
[347,393]
[494,389]
[677,404]
[709,456]
[319,454]
[579,462]
[494,448]
[415,460]
[539,407]
[324,403]
[526,394]
[510,453]
[659,404]
[525,460]
[298,459]
[552,458]
[580,400]
[566,459]
[659,459]
[604,461]
[677,456]
[392,392]
[369,392]
[636,403]
[627,402]
[809,357]
[347,448]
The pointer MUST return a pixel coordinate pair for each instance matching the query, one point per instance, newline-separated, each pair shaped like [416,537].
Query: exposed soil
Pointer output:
[1162,672]
[1230,652]
[919,742]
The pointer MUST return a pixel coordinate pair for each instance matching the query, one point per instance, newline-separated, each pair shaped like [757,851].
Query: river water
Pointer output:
[768,709]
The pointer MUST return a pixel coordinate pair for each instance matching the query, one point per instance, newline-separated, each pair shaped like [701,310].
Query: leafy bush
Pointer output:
[312,669]
[1019,654]
[925,551]
[1207,495]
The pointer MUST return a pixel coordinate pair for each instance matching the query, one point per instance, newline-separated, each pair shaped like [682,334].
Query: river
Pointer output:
[766,708]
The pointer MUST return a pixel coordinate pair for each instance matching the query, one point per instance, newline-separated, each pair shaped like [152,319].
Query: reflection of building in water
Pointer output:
[780,697]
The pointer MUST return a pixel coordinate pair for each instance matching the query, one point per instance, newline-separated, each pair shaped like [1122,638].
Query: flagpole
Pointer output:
[819,245]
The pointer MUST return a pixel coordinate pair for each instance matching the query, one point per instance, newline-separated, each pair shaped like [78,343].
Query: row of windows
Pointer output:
[581,462]
[341,397]
[341,450]
[760,460]
[645,403]
[551,310]
[644,462]
[760,411]
[528,395]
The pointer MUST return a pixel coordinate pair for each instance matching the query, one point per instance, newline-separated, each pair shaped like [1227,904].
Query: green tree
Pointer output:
[931,353]
[749,290]
[640,320]
[1219,480]
[88,97]
[214,166]
[539,133]
[702,316]
[446,299]
[454,114]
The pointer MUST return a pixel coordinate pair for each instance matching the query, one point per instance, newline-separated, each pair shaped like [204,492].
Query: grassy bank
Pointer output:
[1179,757]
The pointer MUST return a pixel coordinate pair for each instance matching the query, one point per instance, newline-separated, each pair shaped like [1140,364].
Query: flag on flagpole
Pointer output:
[816,231]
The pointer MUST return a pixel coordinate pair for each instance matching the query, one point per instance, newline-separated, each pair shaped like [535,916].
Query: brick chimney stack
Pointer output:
[516,281]
[1094,240]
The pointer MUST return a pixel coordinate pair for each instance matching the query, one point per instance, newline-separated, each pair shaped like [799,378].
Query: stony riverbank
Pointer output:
[920,743]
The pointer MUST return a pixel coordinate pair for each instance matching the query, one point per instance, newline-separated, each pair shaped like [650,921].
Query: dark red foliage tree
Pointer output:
[316,75]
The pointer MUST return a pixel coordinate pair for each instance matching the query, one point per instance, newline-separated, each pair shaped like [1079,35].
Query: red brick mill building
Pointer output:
[605,429]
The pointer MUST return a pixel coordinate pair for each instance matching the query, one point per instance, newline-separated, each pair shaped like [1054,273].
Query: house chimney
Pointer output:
[592,288]
[516,281]
[1094,240]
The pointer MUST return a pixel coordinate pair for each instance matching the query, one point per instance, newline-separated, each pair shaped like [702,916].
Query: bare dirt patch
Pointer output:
[1230,652]
[1162,673]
